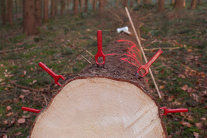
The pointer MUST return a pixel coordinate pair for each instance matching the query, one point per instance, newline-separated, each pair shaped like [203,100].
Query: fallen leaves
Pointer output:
[8,108]
[21,121]
[196,135]
[187,124]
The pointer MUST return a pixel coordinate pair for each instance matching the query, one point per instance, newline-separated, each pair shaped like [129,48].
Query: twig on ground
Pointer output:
[12,50]
[86,59]
[167,48]
[24,87]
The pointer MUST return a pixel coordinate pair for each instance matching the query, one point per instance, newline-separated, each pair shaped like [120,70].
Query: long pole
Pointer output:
[142,50]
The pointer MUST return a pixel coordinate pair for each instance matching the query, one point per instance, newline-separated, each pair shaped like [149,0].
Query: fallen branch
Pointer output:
[12,50]
[24,87]
[167,48]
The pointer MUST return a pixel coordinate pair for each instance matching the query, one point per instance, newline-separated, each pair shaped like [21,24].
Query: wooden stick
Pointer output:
[86,59]
[142,50]
[167,48]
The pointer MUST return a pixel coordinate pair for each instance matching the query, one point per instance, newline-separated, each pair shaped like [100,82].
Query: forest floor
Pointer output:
[64,43]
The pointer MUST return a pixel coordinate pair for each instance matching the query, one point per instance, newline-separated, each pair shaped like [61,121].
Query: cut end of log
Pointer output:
[100,107]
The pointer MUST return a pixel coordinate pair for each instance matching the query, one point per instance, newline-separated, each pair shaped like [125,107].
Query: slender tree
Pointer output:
[179,4]
[199,2]
[45,10]
[193,4]
[86,6]
[9,11]
[161,5]
[81,5]
[138,1]
[147,1]
[75,7]
[52,8]
[94,5]
[62,2]
[172,2]
[125,3]
[131,3]
[3,11]
[38,12]
[101,6]
[30,28]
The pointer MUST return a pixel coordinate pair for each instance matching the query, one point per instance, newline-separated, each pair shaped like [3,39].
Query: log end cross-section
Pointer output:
[99,107]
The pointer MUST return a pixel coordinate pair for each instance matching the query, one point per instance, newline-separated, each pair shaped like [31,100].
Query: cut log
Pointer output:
[100,107]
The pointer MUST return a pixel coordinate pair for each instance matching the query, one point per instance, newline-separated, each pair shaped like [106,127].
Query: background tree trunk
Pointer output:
[101,5]
[199,2]
[3,11]
[29,17]
[179,4]
[172,2]
[131,3]
[161,5]
[81,5]
[38,12]
[75,7]
[94,5]
[10,11]
[86,6]
[138,1]
[125,3]
[193,4]
[45,10]
[62,11]
[53,8]
[147,1]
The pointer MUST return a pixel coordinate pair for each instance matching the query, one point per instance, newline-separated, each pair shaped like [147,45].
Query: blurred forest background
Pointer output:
[62,34]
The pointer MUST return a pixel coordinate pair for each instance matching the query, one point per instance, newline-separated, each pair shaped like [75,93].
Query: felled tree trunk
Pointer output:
[100,107]
[107,102]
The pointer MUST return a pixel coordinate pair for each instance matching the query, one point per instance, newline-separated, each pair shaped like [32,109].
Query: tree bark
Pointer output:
[94,5]
[161,5]
[125,3]
[172,2]
[3,11]
[29,25]
[131,3]
[62,10]
[147,1]
[53,8]
[45,10]
[199,2]
[86,6]
[179,4]
[138,1]
[75,7]
[10,11]
[193,4]
[101,6]
[81,5]
[38,12]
